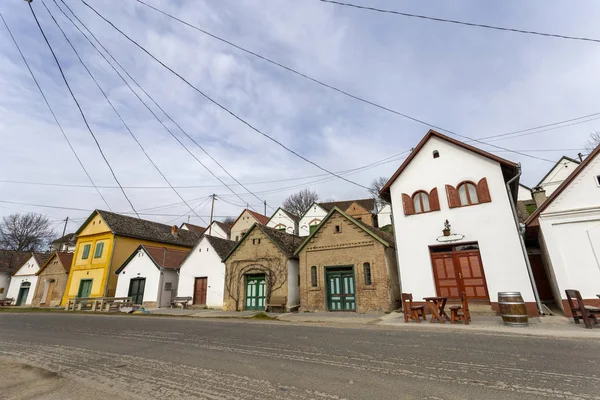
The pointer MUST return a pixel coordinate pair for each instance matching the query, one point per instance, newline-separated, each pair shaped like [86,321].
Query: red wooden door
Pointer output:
[446,280]
[455,271]
[200,286]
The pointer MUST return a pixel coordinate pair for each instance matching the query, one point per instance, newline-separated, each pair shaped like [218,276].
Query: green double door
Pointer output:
[255,292]
[85,288]
[23,293]
[136,290]
[341,292]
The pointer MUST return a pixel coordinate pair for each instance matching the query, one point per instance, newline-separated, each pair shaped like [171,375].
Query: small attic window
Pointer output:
[436,154]
[338,229]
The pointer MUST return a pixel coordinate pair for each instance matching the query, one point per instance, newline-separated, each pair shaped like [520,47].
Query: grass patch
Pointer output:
[263,316]
[30,309]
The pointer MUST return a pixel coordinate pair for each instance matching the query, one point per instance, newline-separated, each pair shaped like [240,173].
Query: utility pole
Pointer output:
[580,157]
[212,209]
[265,207]
[63,235]
[188,218]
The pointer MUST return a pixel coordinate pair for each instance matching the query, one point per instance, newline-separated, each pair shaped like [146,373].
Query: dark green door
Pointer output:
[23,293]
[255,292]
[85,288]
[341,295]
[136,290]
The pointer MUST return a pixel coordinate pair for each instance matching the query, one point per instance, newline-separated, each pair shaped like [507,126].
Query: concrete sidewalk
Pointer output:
[549,326]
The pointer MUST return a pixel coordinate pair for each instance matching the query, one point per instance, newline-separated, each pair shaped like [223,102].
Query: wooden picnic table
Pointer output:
[436,305]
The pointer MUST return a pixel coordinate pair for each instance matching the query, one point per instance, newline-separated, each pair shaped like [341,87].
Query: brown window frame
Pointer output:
[421,202]
[469,202]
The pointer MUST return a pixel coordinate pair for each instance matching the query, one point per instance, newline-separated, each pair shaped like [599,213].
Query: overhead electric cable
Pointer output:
[118,114]
[452,21]
[152,99]
[356,97]
[79,107]
[53,114]
[248,124]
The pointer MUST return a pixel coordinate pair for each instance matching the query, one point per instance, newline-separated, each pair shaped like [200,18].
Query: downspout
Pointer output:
[522,241]
[112,253]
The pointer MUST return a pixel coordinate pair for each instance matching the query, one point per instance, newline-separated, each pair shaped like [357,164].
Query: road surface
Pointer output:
[77,356]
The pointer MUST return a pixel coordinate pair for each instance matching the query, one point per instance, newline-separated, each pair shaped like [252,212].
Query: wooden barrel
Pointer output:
[512,308]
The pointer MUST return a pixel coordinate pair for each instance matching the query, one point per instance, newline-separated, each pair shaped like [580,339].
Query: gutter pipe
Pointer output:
[522,241]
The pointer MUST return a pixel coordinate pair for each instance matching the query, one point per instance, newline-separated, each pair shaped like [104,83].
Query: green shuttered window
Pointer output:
[99,249]
[86,251]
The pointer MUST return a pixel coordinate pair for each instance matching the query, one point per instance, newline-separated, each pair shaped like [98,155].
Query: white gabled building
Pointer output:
[524,193]
[384,216]
[482,254]
[202,273]
[567,226]
[149,276]
[219,229]
[24,280]
[311,219]
[284,221]
[557,175]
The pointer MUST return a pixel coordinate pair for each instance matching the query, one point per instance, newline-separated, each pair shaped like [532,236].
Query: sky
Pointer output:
[472,81]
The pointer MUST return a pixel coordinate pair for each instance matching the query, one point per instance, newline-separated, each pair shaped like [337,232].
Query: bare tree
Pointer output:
[593,142]
[228,220]
[375,188]
[301,201]
[275,270]
[25,232]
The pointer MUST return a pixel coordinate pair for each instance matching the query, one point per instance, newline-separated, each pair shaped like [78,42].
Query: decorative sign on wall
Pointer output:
[448,236]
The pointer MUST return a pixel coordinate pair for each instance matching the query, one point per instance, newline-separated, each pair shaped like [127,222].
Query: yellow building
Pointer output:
[105,241]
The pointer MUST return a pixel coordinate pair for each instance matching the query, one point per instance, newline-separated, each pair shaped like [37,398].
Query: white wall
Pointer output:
[524,194]
[4,283]
[293,297]
[280,218]
[24,274]
[168,275]
[384,217]
[203,261]
[314,212]
[490,224]
[571,232]
[557,175]
[140,266]
[216,231]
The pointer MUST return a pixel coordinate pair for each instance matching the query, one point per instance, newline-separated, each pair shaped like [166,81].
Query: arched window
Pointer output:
[313,276]
[421,202]
[436,154]
[467,192]
[367,272]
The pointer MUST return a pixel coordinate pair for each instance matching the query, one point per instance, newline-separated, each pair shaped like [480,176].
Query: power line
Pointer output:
[472,24]
[79,107]
[151,98]
[361,99]
[117,112]
[223,107]
[53,114]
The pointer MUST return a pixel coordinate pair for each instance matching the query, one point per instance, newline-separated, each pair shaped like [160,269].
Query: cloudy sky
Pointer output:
[471,81]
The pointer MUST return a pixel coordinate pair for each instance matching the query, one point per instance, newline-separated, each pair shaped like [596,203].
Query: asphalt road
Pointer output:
[144,357]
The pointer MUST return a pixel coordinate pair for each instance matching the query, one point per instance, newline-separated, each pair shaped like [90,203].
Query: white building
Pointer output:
[524,193]
[384,216]
[557,175]
[219,229]
[202,273]
[186,226]
[244,222]
[10,261]
[284,221]
[65,244]
[481,253]
[568,227]
[311,219]
[24,280]
[149,276]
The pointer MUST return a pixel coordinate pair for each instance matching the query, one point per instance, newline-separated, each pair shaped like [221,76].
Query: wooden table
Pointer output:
[436,305]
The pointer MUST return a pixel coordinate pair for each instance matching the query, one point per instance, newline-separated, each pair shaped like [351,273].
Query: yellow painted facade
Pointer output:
[99,265]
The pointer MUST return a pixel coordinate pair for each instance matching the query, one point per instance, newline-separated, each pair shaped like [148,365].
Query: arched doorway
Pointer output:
[23,293]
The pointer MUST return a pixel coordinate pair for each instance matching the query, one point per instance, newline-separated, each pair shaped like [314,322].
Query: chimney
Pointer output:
[174,230]
[539,195]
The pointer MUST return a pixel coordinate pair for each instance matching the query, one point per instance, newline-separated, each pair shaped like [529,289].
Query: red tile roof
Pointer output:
[166,258]
[263,219]
[65,259]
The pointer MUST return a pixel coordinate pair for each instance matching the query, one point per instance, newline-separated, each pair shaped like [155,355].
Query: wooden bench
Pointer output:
[180,301]
[579,310]
[461,312]
[411,311]
[276,301]
[6,302]
[112,303]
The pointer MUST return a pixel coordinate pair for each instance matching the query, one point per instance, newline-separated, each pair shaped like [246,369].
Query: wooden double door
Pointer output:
[459,269]
[341,289]
[256,289]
